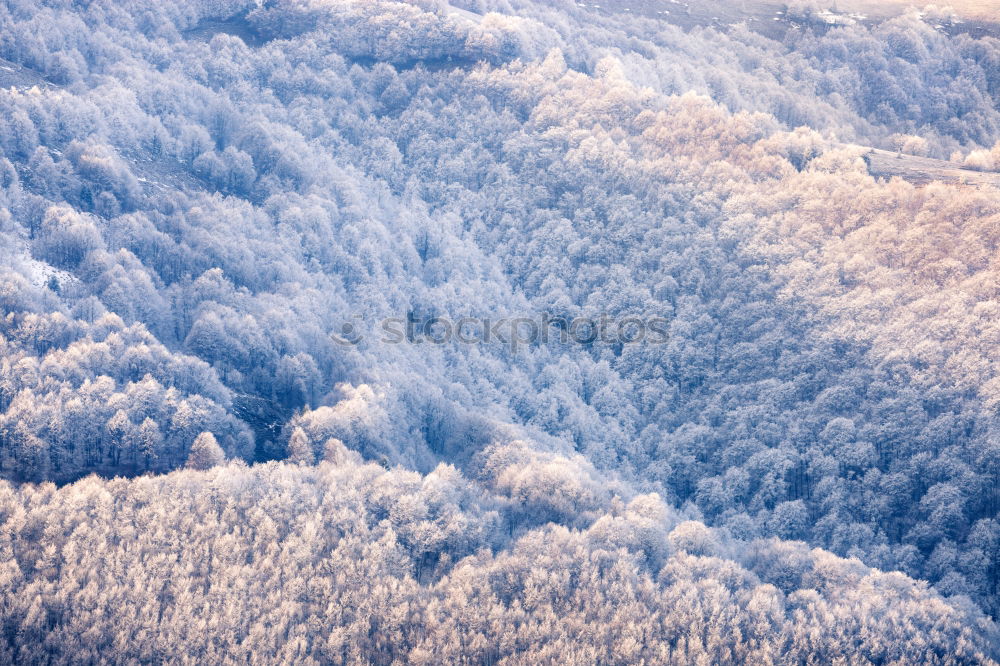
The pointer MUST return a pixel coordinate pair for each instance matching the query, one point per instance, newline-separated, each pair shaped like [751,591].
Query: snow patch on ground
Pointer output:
[831,18]
[17,255]
[464,14]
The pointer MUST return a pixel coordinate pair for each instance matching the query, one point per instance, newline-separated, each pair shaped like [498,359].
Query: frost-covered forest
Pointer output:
[197,199]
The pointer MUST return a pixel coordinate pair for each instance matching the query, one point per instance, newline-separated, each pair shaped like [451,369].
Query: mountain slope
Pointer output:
[213,218]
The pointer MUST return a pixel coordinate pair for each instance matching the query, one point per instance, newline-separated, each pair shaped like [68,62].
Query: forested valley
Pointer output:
[198,200]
